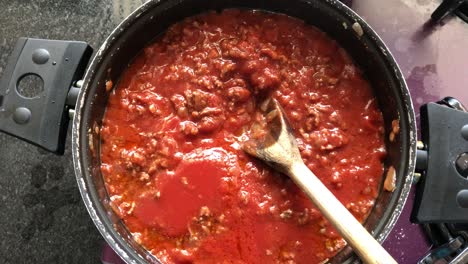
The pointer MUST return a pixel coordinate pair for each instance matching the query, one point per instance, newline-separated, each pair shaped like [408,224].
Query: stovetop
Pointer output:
[42,218]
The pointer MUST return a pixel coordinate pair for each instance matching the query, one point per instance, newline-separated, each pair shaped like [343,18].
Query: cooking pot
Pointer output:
[60,65]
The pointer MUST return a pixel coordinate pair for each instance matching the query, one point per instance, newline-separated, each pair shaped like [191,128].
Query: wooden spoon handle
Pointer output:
[368,249]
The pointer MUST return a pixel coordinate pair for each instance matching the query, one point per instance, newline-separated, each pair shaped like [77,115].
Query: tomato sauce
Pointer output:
[171,140]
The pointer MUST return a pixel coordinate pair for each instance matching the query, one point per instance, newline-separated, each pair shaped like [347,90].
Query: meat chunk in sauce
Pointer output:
[171,140]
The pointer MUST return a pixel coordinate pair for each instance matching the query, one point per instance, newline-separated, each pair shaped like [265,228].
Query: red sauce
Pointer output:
[170,140]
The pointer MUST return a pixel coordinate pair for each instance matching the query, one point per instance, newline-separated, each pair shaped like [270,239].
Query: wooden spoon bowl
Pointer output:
[277,147]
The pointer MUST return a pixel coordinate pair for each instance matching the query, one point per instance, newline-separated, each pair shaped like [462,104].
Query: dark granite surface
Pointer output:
[42,217]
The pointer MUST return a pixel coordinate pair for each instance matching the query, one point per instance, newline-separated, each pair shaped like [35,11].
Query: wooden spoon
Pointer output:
[278,148]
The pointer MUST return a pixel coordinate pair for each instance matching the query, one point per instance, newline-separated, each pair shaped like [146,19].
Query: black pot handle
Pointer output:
[43,119]
[442,158]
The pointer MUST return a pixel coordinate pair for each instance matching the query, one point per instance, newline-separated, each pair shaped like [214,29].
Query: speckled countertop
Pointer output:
[42,217]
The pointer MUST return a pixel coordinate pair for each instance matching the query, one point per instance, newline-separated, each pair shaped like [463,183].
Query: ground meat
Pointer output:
[171,140]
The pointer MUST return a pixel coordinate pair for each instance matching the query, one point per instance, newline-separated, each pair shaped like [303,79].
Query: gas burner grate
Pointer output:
[462,11]
[450,242]
[447,7]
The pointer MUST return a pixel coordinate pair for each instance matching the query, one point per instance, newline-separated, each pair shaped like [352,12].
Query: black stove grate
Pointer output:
[450,244]
[448,7]
[462,11]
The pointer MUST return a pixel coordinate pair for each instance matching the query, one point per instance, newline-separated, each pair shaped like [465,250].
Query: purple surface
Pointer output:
[434,61]
[108,256]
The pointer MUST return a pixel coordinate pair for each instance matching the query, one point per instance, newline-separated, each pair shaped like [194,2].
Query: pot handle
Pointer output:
[442,159]
[53,67]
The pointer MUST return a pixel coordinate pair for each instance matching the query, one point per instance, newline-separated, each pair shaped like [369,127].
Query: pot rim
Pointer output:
[125,251]
[115,240]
